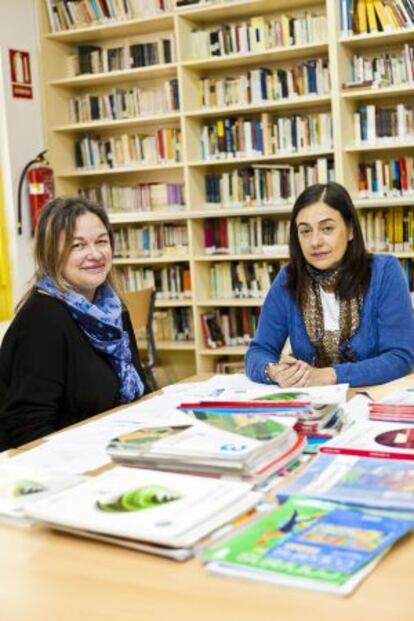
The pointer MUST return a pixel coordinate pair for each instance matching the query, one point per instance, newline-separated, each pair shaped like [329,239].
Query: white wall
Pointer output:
[21,132]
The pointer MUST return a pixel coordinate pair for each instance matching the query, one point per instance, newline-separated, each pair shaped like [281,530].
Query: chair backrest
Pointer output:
[140,305]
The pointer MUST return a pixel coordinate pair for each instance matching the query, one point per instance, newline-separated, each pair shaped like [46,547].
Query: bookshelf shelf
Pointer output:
[140,121]
[243,8]
[301,102]
[380,202]
[273,55]
[118,171]
[377,38]
[251,211]
[237,350]
[231,302]
[173,303]
[241,257]
[151,260]
[114,29]
[129,217]
[115,77]
[224,212]
[360,94]
[281,157]
[170,345]
[392,146]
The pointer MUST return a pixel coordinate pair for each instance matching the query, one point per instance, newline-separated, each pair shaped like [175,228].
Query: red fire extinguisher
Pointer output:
[41,188]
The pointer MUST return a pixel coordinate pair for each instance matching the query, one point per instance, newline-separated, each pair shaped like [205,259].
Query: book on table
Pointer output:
[20,486]
[374,439]
[317,403]
[308,543]
[398,407]
[162,508]
[247,447]
[386,484]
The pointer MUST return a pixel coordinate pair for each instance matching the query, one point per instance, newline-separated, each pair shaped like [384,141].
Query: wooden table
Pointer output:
[50,576]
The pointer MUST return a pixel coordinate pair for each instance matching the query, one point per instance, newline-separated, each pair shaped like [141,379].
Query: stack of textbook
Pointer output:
[238,445]
[312,409]
[398,407]
[159,512]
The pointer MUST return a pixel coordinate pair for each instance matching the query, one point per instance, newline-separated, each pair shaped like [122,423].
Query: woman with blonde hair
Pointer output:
[70,352]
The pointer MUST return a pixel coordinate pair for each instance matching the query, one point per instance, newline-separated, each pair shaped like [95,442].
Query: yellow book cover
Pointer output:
[390,228]
[362,16]
[284,22]
[394,23]
[258,31]
[398,228]
[372,22]
[382,16]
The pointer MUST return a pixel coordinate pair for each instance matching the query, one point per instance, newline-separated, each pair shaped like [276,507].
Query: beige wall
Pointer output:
[21,132]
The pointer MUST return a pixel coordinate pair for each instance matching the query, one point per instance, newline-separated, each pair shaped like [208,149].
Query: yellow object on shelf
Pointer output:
[5,271]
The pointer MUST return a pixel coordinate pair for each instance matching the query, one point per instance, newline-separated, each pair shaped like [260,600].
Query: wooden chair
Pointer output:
[140,305]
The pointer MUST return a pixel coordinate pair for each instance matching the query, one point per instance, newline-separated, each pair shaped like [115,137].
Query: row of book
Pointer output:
[171,282]
[126,150]
[90,59]
[395,68]
[378,125]
[258,34]
[229,327]
[137,197]
[241,137]
[271,185]
[389,230]
[242,279]
[255,235]
[363,16]
[151,241]
[310,77]
[125,103]
[382,178]
[73,14]
[173,324]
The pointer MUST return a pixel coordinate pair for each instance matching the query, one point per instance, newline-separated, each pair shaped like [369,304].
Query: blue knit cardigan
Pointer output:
[383,345]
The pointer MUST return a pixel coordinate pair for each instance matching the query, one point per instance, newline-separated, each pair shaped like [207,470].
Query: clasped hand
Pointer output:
[293,372]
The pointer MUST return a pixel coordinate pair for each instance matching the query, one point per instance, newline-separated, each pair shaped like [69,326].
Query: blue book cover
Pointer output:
[362,481]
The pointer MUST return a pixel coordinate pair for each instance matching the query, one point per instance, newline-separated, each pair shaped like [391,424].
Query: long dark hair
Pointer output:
[355,269]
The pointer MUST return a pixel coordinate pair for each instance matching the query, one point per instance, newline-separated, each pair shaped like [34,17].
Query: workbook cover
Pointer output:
[308,543]
[365,481]
[374,439]
[160,507]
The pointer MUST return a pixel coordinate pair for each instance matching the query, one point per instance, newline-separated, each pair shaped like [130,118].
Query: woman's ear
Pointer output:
[350,233]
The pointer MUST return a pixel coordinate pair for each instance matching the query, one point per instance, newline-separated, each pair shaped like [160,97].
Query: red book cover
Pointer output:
[402,165]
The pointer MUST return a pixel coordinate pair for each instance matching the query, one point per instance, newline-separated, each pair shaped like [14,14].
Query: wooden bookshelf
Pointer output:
[181,357]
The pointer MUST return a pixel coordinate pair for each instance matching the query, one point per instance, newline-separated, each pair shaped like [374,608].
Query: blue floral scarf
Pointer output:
[101,321]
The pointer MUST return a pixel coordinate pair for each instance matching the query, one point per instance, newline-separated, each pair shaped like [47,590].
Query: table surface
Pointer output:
[51,576]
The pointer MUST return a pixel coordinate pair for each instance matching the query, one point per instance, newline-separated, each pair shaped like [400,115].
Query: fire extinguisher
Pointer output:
[41,188]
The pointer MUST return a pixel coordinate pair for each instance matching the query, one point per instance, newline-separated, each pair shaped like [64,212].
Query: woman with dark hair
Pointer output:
[348,315]
[70,352]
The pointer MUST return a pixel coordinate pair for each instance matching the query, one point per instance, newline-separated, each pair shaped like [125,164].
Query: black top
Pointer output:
[50,375]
